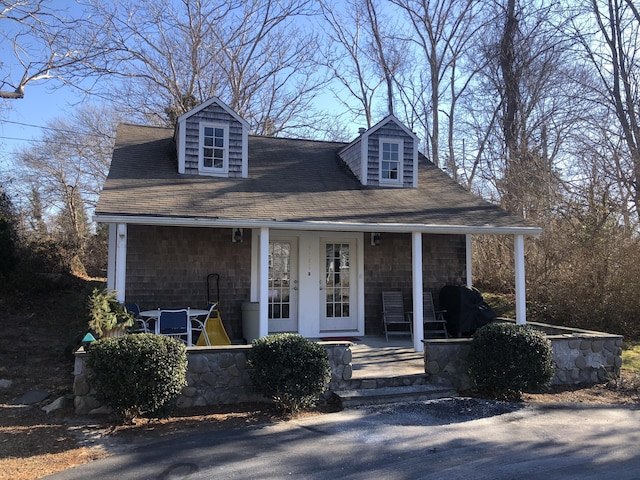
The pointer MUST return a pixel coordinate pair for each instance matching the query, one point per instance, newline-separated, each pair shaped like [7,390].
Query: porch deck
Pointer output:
[373,357]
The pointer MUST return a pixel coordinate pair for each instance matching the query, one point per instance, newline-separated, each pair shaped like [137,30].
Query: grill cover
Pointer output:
[466,310]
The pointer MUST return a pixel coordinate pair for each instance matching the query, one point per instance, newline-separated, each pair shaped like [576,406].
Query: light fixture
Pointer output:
[375,239]
[237,234]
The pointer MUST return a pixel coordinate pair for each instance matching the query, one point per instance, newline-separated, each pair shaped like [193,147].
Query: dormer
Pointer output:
[212,140]
[386,155]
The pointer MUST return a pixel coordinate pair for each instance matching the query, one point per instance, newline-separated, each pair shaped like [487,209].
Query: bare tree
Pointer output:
[385,51]
[347,56]
[61,175]
[40,42]
[609,39]
[530,103]
[443,33]
[253,55]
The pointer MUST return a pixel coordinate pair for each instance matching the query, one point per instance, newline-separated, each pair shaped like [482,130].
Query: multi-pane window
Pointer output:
[213,148]
[390,161]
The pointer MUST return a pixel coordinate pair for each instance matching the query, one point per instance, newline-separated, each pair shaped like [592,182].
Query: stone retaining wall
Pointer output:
[579,356]
[215,376]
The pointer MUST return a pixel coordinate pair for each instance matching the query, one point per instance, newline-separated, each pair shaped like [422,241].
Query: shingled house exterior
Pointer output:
[305,233]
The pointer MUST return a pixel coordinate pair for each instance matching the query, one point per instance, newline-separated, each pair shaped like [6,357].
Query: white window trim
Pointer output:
[225,156]
[387,182]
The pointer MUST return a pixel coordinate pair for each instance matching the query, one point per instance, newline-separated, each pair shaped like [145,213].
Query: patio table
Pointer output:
[194,313]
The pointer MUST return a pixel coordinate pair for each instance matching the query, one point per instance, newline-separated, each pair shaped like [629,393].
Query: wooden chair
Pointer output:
[393,315]
[434,323]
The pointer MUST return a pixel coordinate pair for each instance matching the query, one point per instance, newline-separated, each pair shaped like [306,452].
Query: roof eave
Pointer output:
[315,225]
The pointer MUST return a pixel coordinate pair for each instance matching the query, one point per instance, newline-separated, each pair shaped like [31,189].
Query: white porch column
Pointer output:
[263,282]
[121,261]
[521,304]
[111,256]
[418,323]
[469,259]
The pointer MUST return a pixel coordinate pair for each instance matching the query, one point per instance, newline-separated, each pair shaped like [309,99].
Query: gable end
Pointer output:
[386,155]
[212,140]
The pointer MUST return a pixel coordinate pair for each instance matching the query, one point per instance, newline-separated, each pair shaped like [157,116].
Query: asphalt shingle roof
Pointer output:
[289,180]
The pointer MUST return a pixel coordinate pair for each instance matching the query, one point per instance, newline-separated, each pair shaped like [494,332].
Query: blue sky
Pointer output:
[39,105]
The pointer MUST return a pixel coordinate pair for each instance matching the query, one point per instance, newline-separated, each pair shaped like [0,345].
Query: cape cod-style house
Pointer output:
[305,234]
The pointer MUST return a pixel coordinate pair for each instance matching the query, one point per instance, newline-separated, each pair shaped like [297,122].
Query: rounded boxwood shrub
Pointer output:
[138,374]
[290,369]
[506,359]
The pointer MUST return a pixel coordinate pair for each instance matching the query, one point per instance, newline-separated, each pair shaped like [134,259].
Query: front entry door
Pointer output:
[338,286]
[283,285]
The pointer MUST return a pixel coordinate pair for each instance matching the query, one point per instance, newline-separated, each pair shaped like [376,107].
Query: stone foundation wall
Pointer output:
[578,357]
[215,376]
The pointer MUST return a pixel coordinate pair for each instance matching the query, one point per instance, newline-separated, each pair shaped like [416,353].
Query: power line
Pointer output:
[61,130]
[69,144]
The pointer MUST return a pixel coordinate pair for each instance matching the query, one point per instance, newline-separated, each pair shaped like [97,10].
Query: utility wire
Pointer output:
[62,130]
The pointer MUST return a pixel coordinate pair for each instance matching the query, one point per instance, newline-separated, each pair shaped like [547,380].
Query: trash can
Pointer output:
[250,321]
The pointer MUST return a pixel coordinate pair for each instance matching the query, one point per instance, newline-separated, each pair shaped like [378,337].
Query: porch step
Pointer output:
[378,396]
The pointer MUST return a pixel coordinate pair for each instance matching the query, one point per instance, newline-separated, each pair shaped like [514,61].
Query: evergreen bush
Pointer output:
[506,360]
[138,374]
[290,369]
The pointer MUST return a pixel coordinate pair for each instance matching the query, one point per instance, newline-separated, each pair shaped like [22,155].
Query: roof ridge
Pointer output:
[130,124]
[268,137]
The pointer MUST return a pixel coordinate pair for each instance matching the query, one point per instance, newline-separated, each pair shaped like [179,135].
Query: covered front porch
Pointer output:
[321,281]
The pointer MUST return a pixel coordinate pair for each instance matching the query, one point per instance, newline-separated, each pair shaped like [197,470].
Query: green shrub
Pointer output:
[507,359]
[138,374]
[290,369]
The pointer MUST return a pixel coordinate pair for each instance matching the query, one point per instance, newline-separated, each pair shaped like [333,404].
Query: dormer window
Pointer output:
[214,148]
[391,154]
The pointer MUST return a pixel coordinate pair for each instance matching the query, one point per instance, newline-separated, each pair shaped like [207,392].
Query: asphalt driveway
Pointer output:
[452,439]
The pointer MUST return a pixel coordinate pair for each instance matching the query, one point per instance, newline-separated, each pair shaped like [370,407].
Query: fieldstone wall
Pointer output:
[579,356]
[215,376]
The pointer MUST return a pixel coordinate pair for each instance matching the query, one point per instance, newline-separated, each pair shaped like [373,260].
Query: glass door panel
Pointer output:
[337,284]
[283,286]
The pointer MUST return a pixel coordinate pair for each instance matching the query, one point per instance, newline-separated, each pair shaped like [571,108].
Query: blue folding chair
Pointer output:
[140,323]
[175,323]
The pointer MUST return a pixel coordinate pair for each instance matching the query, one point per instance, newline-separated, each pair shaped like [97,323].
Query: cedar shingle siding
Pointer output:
[388,267]
[352,156]
[216,114]
[168,266]
[391,131]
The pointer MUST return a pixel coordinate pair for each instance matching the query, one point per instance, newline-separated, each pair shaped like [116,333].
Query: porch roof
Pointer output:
[292,184]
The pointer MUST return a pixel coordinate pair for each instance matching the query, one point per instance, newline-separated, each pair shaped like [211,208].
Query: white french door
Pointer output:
[283,285]
[338,285]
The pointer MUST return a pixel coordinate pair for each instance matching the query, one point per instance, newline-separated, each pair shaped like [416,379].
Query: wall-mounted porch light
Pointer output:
[375,239]
[237,235]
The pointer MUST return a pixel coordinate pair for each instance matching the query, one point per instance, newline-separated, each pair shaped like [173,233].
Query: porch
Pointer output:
[318,283]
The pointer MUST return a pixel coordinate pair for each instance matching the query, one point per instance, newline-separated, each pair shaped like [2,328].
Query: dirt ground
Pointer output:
[33,443]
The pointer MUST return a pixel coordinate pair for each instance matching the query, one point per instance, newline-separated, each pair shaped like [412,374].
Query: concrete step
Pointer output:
[379,396]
